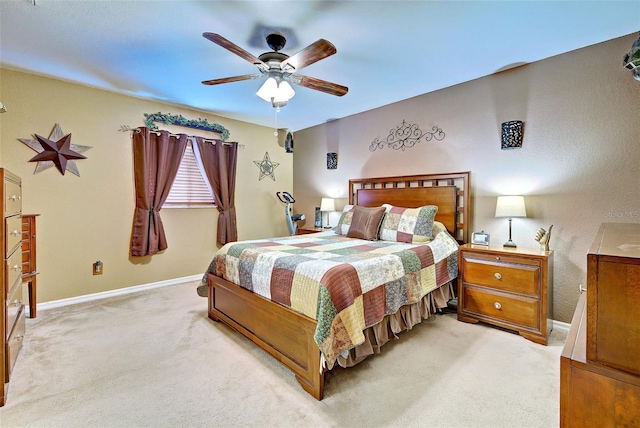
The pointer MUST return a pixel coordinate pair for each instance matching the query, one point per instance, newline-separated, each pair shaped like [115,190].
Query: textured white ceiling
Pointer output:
[387,50]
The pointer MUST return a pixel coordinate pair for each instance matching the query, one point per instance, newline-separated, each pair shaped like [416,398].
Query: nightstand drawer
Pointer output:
[515,278]
[504,307]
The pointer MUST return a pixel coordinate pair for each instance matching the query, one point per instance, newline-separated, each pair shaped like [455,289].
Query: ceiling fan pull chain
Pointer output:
[275,132]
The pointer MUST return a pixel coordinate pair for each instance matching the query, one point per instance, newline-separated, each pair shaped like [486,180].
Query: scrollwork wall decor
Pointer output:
[405,136]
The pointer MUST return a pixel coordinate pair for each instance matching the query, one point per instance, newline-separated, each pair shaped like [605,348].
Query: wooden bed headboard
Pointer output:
[450,192]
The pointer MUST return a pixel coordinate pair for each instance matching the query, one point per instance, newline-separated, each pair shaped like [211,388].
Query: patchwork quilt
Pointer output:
[346,284]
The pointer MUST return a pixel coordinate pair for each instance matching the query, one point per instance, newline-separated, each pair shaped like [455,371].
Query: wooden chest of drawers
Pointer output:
[593,395]
[29,269]
[613,297]
[12,319]
[507,287]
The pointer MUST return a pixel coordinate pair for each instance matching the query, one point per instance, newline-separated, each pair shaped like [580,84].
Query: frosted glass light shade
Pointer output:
[276,92]
[510,206]
[327,204]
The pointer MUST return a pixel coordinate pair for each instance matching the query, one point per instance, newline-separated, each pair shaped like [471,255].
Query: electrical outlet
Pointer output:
[98,267]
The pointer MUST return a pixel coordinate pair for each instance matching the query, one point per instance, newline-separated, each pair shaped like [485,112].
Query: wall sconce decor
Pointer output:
[510,206]
[631,60]
[288,143]
[332,160]
[405,136]
[512,134]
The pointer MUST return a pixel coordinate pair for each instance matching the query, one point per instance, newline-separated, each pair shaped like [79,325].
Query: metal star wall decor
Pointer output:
[56,150]
[266,167]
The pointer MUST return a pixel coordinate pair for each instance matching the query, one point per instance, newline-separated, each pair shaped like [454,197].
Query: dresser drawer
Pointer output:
[13,198]
[14,306]
[13,269]
[14,344]
[500,275]
[512,309]
[13,235]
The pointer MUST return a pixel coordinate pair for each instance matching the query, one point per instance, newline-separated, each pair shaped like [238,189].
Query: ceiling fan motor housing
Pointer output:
[276,41]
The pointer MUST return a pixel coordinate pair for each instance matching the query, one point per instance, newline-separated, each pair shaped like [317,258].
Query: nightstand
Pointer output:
[305,230]
[511,288]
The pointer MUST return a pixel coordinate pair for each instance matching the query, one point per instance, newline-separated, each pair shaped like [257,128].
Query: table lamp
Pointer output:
[327,205]
[510,206]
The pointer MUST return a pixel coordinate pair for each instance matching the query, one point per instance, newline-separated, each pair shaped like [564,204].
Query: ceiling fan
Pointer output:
[280,69]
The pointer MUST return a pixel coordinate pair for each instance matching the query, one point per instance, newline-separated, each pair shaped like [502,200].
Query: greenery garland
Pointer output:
[170,119]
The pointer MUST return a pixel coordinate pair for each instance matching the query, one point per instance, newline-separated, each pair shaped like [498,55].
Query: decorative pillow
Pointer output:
[365,223]
[345,220]
[412,225]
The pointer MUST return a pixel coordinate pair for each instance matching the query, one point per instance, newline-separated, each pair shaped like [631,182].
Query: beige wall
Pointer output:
[578,167]
[87,218]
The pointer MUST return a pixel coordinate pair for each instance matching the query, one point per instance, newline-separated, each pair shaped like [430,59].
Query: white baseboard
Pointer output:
[111,293]
[561,326]
[557,325]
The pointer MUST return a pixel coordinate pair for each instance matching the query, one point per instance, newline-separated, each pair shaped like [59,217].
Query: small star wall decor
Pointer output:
[56,150]
[266,167]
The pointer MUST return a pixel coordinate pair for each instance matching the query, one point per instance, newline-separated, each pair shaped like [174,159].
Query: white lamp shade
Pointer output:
[327,204]
[272,91]
[510,206]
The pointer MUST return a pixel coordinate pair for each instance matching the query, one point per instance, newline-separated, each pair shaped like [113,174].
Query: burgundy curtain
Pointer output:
[220,161]
[156,158]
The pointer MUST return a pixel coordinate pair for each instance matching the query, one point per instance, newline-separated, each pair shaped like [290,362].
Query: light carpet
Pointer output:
[154,359]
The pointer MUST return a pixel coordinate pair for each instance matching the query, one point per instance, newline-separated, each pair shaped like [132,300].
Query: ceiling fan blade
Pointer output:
[231,79]
[307,56]
[232,47]
[320,85]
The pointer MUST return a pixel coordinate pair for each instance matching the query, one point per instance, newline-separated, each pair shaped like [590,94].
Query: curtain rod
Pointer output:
[125,128]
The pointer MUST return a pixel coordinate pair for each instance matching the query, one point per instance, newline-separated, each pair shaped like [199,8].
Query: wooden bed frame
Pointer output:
[287,335]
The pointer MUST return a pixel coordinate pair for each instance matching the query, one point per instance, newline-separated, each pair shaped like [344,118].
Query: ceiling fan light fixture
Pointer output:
[276,91]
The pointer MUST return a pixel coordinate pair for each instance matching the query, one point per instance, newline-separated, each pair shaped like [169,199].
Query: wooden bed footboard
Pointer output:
[287,335]
[281,332]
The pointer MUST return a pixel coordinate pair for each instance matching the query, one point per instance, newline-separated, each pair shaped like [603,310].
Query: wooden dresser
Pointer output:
[508,287]
[599,365]
[29,268]
[12,319]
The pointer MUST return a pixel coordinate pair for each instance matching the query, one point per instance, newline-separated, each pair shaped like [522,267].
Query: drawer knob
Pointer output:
[497,305]
[17,302]
[14,198]
[17,267]
[16,232]
[581,289]
[497,275]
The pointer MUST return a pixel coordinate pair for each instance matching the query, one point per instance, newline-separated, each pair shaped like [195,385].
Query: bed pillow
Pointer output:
[342,228]
[412,225]
[365,223]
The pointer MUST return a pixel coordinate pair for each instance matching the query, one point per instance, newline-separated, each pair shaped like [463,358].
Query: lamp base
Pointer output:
[510,244]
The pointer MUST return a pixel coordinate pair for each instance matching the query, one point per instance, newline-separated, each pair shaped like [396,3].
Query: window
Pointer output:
[190,188]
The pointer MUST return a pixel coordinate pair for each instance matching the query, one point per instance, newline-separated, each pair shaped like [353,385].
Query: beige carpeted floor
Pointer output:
[154,359]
